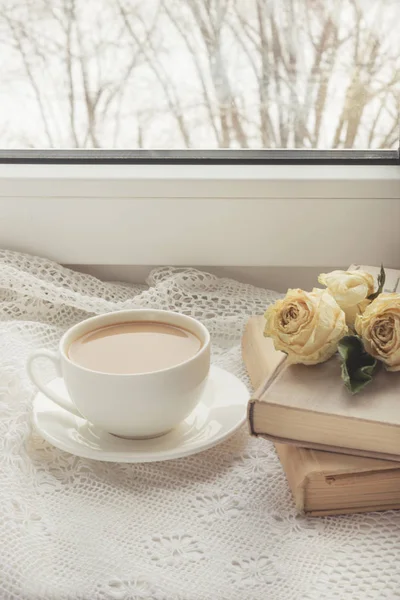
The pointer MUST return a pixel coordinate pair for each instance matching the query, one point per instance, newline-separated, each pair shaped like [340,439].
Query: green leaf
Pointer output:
[358,367]
[381,284]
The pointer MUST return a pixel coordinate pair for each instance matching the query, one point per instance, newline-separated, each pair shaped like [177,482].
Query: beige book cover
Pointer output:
[310,407]
[322,483]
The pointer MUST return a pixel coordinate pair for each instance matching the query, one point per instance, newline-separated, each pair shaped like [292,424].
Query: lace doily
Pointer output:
[220,525]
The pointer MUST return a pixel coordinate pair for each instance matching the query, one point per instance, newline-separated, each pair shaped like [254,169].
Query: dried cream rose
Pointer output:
[379,328]
[306,325]
[350,290]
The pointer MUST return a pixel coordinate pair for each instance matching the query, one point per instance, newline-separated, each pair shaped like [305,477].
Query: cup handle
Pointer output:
[62,401]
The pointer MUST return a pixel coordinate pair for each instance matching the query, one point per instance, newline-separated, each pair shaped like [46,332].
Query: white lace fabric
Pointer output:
[219,525]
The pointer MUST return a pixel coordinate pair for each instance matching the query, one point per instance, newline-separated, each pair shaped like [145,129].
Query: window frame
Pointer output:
[202,213]
[212,157]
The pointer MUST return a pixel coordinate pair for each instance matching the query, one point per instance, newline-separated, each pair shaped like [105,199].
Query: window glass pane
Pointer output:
[200,74]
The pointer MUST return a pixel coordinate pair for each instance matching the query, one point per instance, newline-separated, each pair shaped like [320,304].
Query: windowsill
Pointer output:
[203,214]
[199,181]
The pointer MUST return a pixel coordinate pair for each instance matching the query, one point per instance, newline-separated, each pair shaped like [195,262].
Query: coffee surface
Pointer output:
[128,348]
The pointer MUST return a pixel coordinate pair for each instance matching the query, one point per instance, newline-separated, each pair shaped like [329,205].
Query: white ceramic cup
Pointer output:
[132,405]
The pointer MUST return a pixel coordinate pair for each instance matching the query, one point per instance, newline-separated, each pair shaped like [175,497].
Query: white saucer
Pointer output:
[220,412]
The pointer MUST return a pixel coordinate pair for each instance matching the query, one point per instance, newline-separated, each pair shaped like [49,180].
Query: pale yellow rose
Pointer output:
[306,325]
[350,290]
[379,328]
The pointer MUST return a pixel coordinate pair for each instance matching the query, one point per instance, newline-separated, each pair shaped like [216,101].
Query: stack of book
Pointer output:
[340,453]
